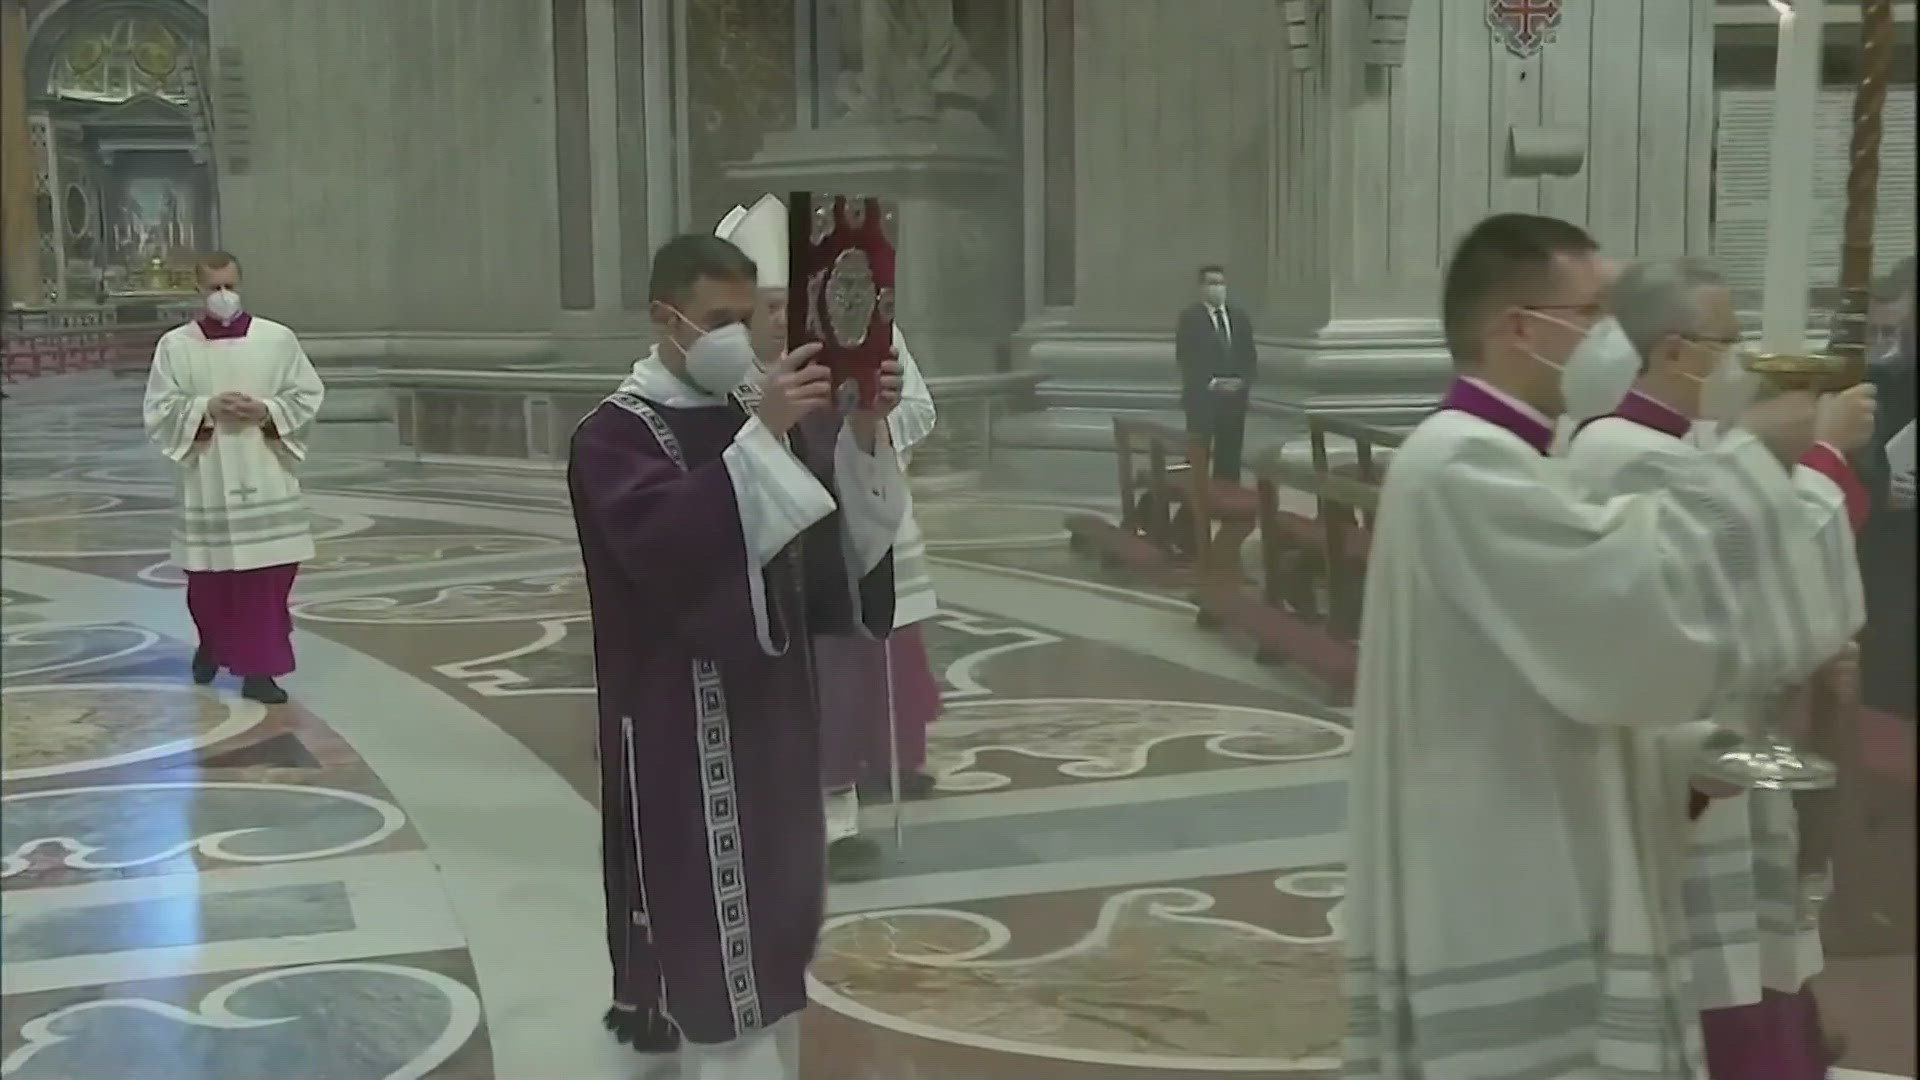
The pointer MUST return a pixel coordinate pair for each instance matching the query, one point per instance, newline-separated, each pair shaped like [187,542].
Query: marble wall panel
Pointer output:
[403,164]
[1172,115]
[1429,142]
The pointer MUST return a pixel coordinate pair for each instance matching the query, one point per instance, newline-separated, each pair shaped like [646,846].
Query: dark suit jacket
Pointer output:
[1887,549]
[1198,350]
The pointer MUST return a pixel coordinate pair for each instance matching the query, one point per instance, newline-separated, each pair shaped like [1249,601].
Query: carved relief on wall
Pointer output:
[740,87]
[118,60]
[907,60]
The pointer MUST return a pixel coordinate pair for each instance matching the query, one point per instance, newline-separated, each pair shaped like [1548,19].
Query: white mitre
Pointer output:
[761,232]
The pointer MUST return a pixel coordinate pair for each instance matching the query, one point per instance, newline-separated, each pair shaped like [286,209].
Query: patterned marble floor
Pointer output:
[1131,866]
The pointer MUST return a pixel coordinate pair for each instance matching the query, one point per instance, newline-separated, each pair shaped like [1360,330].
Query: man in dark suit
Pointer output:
[1213,344]
[1888,541]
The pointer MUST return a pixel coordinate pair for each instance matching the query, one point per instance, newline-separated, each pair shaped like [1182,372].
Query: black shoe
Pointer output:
[914,787]
[646,1030]
[854,859]
[204,669]
[263,690]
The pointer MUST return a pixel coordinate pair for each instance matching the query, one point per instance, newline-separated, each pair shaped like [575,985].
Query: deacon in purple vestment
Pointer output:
[719,537]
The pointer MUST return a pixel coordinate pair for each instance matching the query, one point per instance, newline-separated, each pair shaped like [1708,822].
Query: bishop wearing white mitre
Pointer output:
[860,709]
[1752,926]
[230,401]
[1503,917]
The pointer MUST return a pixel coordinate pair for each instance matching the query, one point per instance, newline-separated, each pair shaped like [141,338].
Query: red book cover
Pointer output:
[841,251]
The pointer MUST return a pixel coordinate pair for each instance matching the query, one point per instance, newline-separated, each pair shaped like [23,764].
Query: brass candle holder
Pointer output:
[1820,374]
[1764,759]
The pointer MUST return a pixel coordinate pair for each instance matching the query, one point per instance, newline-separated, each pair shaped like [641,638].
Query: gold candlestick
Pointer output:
[1863,178]
[1828,374]
[1765,759]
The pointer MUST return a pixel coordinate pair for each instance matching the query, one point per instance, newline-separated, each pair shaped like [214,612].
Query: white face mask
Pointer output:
[721,360]
[224,305]
[1598,373]
[1729,390]
[1217,295]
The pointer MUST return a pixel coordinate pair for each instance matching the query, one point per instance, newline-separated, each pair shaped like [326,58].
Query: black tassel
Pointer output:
[643,1029]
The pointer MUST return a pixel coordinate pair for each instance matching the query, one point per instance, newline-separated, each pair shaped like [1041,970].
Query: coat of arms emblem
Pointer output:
[1523,26]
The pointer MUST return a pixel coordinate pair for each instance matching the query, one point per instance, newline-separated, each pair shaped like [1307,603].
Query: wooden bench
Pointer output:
[1365,437]
[1172,510]
[1283,617]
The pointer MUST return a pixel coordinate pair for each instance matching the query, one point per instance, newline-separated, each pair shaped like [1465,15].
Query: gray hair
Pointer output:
[1898,284]
[1659,298]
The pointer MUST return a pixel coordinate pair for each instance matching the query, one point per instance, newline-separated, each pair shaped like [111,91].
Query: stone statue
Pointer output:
[907,60]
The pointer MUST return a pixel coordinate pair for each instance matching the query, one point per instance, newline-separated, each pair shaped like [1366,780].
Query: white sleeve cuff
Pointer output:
[873,500]
[778,498]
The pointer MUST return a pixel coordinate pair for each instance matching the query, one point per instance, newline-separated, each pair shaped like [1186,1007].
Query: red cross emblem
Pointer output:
[1523,26]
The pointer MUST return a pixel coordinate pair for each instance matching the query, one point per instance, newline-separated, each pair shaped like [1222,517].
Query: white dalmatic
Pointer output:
[909,424]
[1737,867]
[237,504]
[1503,913]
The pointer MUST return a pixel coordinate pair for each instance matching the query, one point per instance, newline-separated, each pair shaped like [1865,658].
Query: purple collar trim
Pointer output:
[1471,398]
[215,330]
[1648,413]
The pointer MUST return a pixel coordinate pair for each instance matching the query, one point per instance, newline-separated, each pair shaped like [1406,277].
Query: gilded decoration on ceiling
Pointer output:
[120,59]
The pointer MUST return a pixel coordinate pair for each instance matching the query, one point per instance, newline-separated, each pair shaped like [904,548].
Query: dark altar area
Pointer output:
[120,124]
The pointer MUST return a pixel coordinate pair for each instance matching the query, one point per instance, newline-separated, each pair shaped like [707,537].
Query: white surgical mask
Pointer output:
[224,305]
[1217,295]
[721,360]
[1598,373]
[1729,390]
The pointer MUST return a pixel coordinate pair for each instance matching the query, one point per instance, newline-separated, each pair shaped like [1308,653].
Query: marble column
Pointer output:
[1170,122]
[19,222]
[594,327]
[1384,168]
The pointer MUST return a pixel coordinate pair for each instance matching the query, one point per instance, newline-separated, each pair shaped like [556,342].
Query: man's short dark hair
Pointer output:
[1212,268]
[215,260]
[686,259]
[1506,259]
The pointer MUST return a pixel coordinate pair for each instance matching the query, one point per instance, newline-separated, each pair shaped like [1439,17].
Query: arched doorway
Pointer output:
[123,137]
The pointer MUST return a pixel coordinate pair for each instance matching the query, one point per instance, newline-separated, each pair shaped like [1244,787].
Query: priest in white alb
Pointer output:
[230,401]
[1505,915]
[1751,920]
[877,696]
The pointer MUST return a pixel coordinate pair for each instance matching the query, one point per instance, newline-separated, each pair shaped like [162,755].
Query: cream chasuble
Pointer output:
[237,504]
[1503,914]
[909,424]
[1740,875]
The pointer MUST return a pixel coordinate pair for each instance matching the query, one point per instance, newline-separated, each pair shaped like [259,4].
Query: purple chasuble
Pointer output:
[1649,413]
[1468,396]
[713,831]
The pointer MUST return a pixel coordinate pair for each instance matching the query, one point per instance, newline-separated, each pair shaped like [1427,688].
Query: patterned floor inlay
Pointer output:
[1238,973]
[401,1016]
[1129,868]
[1090,739]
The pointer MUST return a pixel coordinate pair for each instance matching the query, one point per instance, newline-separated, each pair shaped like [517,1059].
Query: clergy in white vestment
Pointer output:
[1504,917]
[230,401]
[876,697]
[1751,926]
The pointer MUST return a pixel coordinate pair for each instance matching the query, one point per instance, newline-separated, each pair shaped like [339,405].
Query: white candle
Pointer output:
[1796,90]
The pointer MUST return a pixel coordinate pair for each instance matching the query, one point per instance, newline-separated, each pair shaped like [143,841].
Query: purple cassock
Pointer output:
[712,823]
